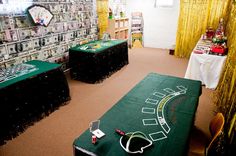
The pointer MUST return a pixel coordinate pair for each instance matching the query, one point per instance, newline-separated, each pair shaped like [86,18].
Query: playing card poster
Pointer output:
[40,15]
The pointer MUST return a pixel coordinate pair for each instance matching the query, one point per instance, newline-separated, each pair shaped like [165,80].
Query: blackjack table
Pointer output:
[161,107]
[95,61]
[29,92]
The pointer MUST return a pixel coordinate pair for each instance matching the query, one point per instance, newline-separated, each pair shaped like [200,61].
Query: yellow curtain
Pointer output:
[102,11]
[216,10]
[225,95]
[195,16]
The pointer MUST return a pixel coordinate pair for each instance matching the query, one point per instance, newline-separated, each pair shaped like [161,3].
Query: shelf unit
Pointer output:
[118,28]
[136,29]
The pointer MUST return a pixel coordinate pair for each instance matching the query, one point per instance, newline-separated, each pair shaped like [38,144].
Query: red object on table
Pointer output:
[120,132]
[94,139]
[198,51]
[218,49]
[210,33]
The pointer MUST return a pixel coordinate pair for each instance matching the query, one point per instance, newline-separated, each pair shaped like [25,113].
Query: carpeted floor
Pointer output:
[54,135]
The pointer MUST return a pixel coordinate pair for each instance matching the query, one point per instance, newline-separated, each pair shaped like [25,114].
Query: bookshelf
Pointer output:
[118,28]
[136,29]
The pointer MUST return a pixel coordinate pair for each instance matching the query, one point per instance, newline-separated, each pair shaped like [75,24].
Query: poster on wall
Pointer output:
[40,15]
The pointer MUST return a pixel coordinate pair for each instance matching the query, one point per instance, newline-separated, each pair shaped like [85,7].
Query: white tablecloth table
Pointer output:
[205,68]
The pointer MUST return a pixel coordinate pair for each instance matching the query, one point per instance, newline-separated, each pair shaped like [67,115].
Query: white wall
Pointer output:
[160,24]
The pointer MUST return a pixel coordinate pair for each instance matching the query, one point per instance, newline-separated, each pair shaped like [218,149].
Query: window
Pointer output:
[164,3]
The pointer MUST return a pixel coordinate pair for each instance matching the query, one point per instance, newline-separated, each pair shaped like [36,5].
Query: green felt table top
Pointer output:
[96,46]
[40,66]
[162,107]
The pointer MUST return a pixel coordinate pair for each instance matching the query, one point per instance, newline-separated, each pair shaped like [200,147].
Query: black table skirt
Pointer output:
[30,100]
[95,67]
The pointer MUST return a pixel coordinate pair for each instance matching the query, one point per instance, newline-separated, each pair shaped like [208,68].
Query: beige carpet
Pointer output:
[54,135]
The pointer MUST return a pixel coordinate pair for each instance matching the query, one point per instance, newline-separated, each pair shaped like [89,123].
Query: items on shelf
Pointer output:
[110,14]
[136,30]
[118,8]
